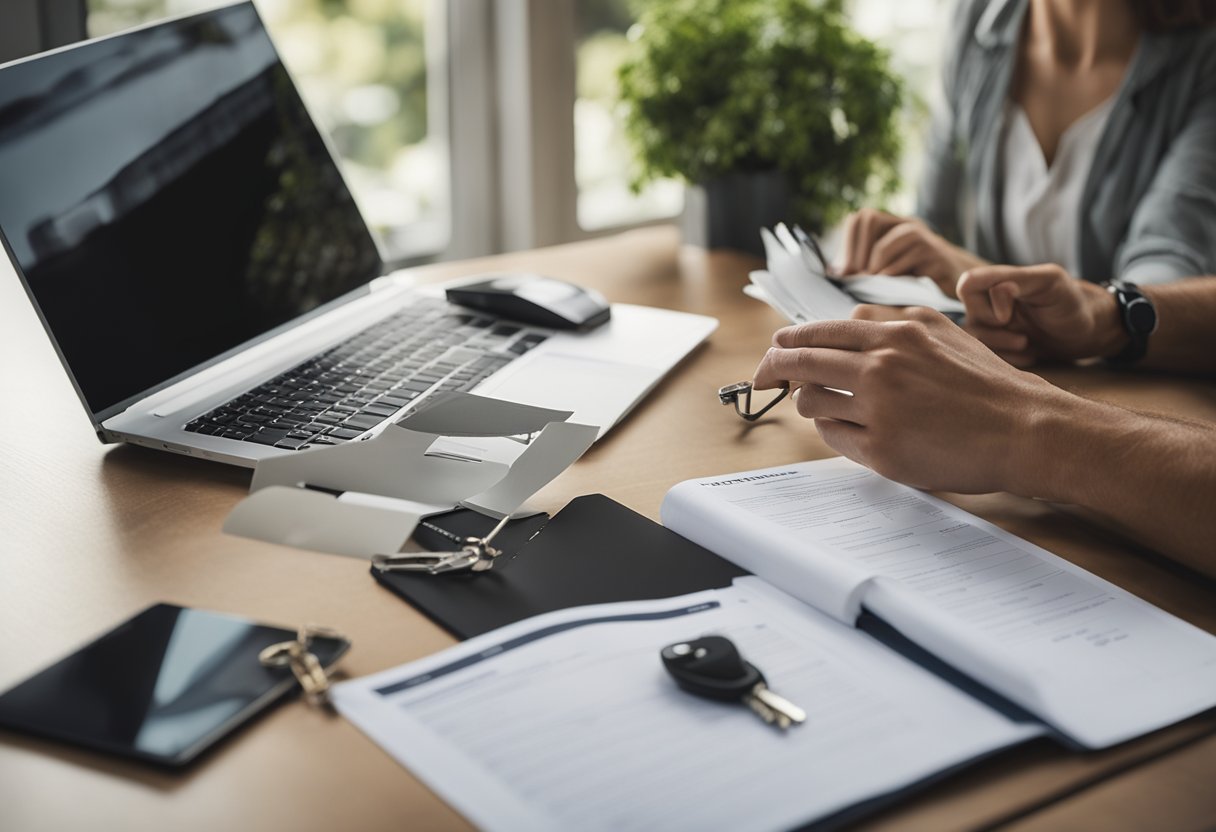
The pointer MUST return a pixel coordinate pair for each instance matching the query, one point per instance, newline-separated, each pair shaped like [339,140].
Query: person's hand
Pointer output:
[880,243]
[930,406]
[1025,314]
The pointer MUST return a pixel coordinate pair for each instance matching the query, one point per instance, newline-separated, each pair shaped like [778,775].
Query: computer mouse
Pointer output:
[534,299]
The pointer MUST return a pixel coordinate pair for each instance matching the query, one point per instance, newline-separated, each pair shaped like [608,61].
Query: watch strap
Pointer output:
[1139,318]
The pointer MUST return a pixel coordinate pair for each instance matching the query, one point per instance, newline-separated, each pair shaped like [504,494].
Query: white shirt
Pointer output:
[1042,205]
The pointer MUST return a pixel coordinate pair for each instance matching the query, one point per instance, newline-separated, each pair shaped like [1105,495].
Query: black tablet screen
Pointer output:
[162,686]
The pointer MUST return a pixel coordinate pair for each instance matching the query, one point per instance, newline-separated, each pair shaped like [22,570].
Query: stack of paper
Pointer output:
[796,284]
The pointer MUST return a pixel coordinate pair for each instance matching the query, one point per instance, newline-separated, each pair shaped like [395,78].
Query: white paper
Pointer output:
[901,291]
[1098,663]
[770,291]
[568,720]
[321,522]
[763,548]
[802,292]
[552,451]
[814,295]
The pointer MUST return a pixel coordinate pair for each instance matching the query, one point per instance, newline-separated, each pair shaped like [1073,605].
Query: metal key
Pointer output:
[476,555]
[712,667]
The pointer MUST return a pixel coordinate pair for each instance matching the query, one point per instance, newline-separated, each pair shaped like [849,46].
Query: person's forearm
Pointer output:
[1152,475]
[1185,339]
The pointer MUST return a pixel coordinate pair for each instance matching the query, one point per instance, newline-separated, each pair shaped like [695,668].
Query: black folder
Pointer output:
[594,551]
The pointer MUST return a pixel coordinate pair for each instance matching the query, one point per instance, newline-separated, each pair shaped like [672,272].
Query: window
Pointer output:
[472,126]
[915,33]
[603,158]
[363,67]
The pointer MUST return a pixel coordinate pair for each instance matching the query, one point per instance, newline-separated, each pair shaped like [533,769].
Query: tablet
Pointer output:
[162,687]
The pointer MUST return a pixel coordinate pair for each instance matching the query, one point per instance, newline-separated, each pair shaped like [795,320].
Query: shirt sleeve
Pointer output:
[1173,229]
[937,197]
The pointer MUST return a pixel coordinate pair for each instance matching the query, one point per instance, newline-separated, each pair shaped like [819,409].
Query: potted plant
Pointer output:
[776,109]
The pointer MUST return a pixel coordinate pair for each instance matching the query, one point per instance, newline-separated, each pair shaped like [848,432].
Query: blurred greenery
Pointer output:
[713,87]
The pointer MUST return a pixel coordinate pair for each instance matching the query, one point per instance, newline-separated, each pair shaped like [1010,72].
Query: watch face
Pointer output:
[1141,317]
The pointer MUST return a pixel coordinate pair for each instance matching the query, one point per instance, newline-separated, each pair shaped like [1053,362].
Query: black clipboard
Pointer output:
[594,551]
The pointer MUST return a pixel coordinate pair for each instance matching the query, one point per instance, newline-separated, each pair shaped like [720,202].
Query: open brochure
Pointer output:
[795,282]
[568,720]
[1096,663]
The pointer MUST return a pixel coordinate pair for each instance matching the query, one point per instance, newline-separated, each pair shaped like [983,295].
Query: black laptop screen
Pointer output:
[168,198]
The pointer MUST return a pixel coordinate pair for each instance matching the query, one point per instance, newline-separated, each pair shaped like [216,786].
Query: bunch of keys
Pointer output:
[303,663]
[476,555]
[712,667]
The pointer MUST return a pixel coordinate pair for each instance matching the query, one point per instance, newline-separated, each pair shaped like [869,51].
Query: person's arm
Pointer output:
[1153,476]
[1172,232]
[1042,312]
[933,408]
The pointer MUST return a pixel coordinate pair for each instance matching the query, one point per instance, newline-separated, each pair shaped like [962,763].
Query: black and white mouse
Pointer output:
[534,299]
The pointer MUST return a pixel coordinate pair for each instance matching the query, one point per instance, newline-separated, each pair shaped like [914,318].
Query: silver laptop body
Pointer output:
[187,239]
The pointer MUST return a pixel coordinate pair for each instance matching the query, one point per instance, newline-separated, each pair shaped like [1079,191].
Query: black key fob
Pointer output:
[711,667]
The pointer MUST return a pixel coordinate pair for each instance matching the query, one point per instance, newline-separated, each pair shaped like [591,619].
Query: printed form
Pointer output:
[1095,661]
[569,721]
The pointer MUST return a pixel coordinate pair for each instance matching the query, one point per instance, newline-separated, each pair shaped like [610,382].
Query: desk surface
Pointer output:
[91,534]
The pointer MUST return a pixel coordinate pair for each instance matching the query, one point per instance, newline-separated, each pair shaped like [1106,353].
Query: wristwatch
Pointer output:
[1139,318]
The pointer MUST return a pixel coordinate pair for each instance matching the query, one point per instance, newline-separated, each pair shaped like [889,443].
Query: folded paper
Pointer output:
[794,284]
[366,497]
[316,520]
[552,452]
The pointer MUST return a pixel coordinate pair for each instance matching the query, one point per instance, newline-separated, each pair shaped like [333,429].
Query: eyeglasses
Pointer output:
[731,393]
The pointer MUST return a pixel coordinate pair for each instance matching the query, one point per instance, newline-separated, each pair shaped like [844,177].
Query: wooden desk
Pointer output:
[91,534]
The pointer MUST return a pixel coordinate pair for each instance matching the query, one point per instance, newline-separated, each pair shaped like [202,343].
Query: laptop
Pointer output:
[198,261]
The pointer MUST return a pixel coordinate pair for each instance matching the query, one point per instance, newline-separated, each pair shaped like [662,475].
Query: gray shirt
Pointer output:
[1148,208]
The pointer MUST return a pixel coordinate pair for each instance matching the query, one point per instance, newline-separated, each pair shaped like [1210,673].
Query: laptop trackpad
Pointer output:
[599,392]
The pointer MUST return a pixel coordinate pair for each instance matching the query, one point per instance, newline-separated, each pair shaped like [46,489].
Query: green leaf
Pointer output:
[711,87]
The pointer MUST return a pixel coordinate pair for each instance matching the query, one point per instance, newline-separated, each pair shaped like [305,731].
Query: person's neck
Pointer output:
[1083,33]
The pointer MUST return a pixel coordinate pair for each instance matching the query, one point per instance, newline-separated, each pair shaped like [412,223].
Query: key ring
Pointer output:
[476,555]
[304,664]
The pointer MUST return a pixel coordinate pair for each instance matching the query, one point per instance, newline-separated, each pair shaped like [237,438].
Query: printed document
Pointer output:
[569,720]
[1096,662]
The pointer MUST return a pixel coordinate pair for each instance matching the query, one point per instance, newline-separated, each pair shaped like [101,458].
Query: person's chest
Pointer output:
[1054,98]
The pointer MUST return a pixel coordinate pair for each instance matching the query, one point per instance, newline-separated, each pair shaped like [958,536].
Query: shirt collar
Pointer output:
[1000,23]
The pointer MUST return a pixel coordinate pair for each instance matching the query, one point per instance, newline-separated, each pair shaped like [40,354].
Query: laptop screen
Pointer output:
[167,198]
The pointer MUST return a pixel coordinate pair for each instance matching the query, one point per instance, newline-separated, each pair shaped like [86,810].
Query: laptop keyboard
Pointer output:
[339,394]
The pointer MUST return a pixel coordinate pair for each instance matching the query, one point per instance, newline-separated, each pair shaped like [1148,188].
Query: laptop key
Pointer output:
[268,436]
[363,421]
[344,433]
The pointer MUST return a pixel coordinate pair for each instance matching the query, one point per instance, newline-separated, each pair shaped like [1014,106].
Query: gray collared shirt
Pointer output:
[1148,208]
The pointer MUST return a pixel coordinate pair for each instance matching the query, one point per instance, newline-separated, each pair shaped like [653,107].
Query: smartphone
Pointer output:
[162,687]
